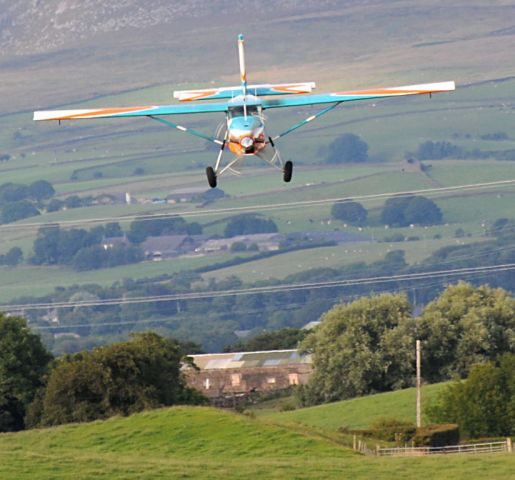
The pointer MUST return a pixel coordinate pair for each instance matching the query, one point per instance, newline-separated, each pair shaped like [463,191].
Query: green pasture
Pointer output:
[204,443]
[38,281]
[472,211]
[330,257]
[357,412]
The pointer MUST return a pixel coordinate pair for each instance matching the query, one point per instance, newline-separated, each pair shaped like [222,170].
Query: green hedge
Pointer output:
[438,435]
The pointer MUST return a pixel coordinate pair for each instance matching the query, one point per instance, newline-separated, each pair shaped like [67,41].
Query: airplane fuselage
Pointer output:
[245,126]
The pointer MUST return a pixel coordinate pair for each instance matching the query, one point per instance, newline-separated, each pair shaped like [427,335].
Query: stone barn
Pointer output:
[229,375]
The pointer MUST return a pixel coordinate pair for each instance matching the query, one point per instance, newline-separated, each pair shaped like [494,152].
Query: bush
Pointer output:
[248,224]
[12,212]
[404,211]
[388,429]
[348,148]
[438,150]
[393,429]
[438,435]
[351,212]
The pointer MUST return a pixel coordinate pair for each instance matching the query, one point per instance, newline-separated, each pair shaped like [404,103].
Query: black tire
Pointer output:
[287,171]
[211,177]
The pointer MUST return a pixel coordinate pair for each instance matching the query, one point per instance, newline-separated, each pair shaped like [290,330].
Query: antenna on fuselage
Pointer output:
[243,73]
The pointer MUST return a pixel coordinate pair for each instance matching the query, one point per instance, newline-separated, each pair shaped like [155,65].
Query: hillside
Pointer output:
[50,50]
[73,53]
[206,443]
[358,412]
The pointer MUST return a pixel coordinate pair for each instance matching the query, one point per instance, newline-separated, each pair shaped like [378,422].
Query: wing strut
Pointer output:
[191,131]
[305,122]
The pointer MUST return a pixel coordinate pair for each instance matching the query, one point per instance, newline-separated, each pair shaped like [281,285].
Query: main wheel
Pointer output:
[287,171]
[211,177]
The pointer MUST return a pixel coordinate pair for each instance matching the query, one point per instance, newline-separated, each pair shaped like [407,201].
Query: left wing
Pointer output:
[350,96]
[145,111]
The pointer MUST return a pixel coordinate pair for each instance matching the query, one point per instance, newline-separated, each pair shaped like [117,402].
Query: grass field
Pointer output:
[473,212]
[330,257]
[358,412]
[204,443]
[38,281]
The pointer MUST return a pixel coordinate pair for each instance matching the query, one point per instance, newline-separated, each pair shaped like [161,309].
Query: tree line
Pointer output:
[396,212]
[37,389]
[367,346]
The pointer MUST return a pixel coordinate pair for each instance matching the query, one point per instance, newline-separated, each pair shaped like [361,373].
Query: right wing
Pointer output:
[145,111]
[353,95]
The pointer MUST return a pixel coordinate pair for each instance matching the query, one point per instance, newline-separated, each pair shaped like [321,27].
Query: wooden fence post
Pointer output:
[509,445]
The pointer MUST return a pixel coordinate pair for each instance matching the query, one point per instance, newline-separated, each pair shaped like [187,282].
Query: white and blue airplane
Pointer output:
[245,132]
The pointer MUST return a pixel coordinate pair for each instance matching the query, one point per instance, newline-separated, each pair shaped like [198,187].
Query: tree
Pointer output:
[73,201]
[248,224]
[23,363]
[41,189]
[113,230]
[11,212]
[238,247]
[483,404]
[422,211]
[351,212]
[13,257]
[283,339]
[348,148]
[359,348]
[404,211]
[54,205]
[140,229]
[13,192]
[118,379]
[464,326]
[437,150]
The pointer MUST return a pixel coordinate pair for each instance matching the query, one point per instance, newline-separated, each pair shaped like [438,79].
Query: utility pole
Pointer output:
[419,412]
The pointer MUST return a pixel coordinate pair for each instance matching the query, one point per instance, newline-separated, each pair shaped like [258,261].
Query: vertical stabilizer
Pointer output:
[243,73]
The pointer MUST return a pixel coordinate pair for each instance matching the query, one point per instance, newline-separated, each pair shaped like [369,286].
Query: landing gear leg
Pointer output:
[211,177]
[287,171]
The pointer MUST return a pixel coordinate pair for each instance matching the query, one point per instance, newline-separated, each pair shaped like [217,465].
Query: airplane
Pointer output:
[244,128]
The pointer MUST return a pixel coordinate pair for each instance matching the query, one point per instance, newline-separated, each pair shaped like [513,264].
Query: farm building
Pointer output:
[167,246]
[222,375]
[265,242]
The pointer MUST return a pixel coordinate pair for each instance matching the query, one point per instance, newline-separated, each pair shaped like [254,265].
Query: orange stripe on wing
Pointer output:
[104,112]
[198,95]
[291,89]
[384,91]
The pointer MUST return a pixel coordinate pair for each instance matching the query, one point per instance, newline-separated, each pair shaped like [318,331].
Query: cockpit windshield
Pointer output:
[237,111]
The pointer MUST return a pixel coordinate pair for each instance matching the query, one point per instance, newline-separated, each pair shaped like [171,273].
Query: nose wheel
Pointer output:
[287,171]
[211,177]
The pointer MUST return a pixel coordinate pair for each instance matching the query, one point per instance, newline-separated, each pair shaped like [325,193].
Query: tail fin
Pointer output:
[243,73]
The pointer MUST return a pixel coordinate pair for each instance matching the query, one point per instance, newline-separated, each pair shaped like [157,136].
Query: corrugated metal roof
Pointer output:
[270,358]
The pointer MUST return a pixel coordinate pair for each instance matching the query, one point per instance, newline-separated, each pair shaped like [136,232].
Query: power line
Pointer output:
[265,289]
[289,306]
[272,206]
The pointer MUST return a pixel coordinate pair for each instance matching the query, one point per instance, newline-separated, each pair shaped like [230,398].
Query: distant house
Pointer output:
[185,194]
[109,199]
[226,375]
[111,242]
[265,242]
[167,246]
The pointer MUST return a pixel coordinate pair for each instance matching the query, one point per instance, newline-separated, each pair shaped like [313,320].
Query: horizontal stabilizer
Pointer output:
[231,92]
